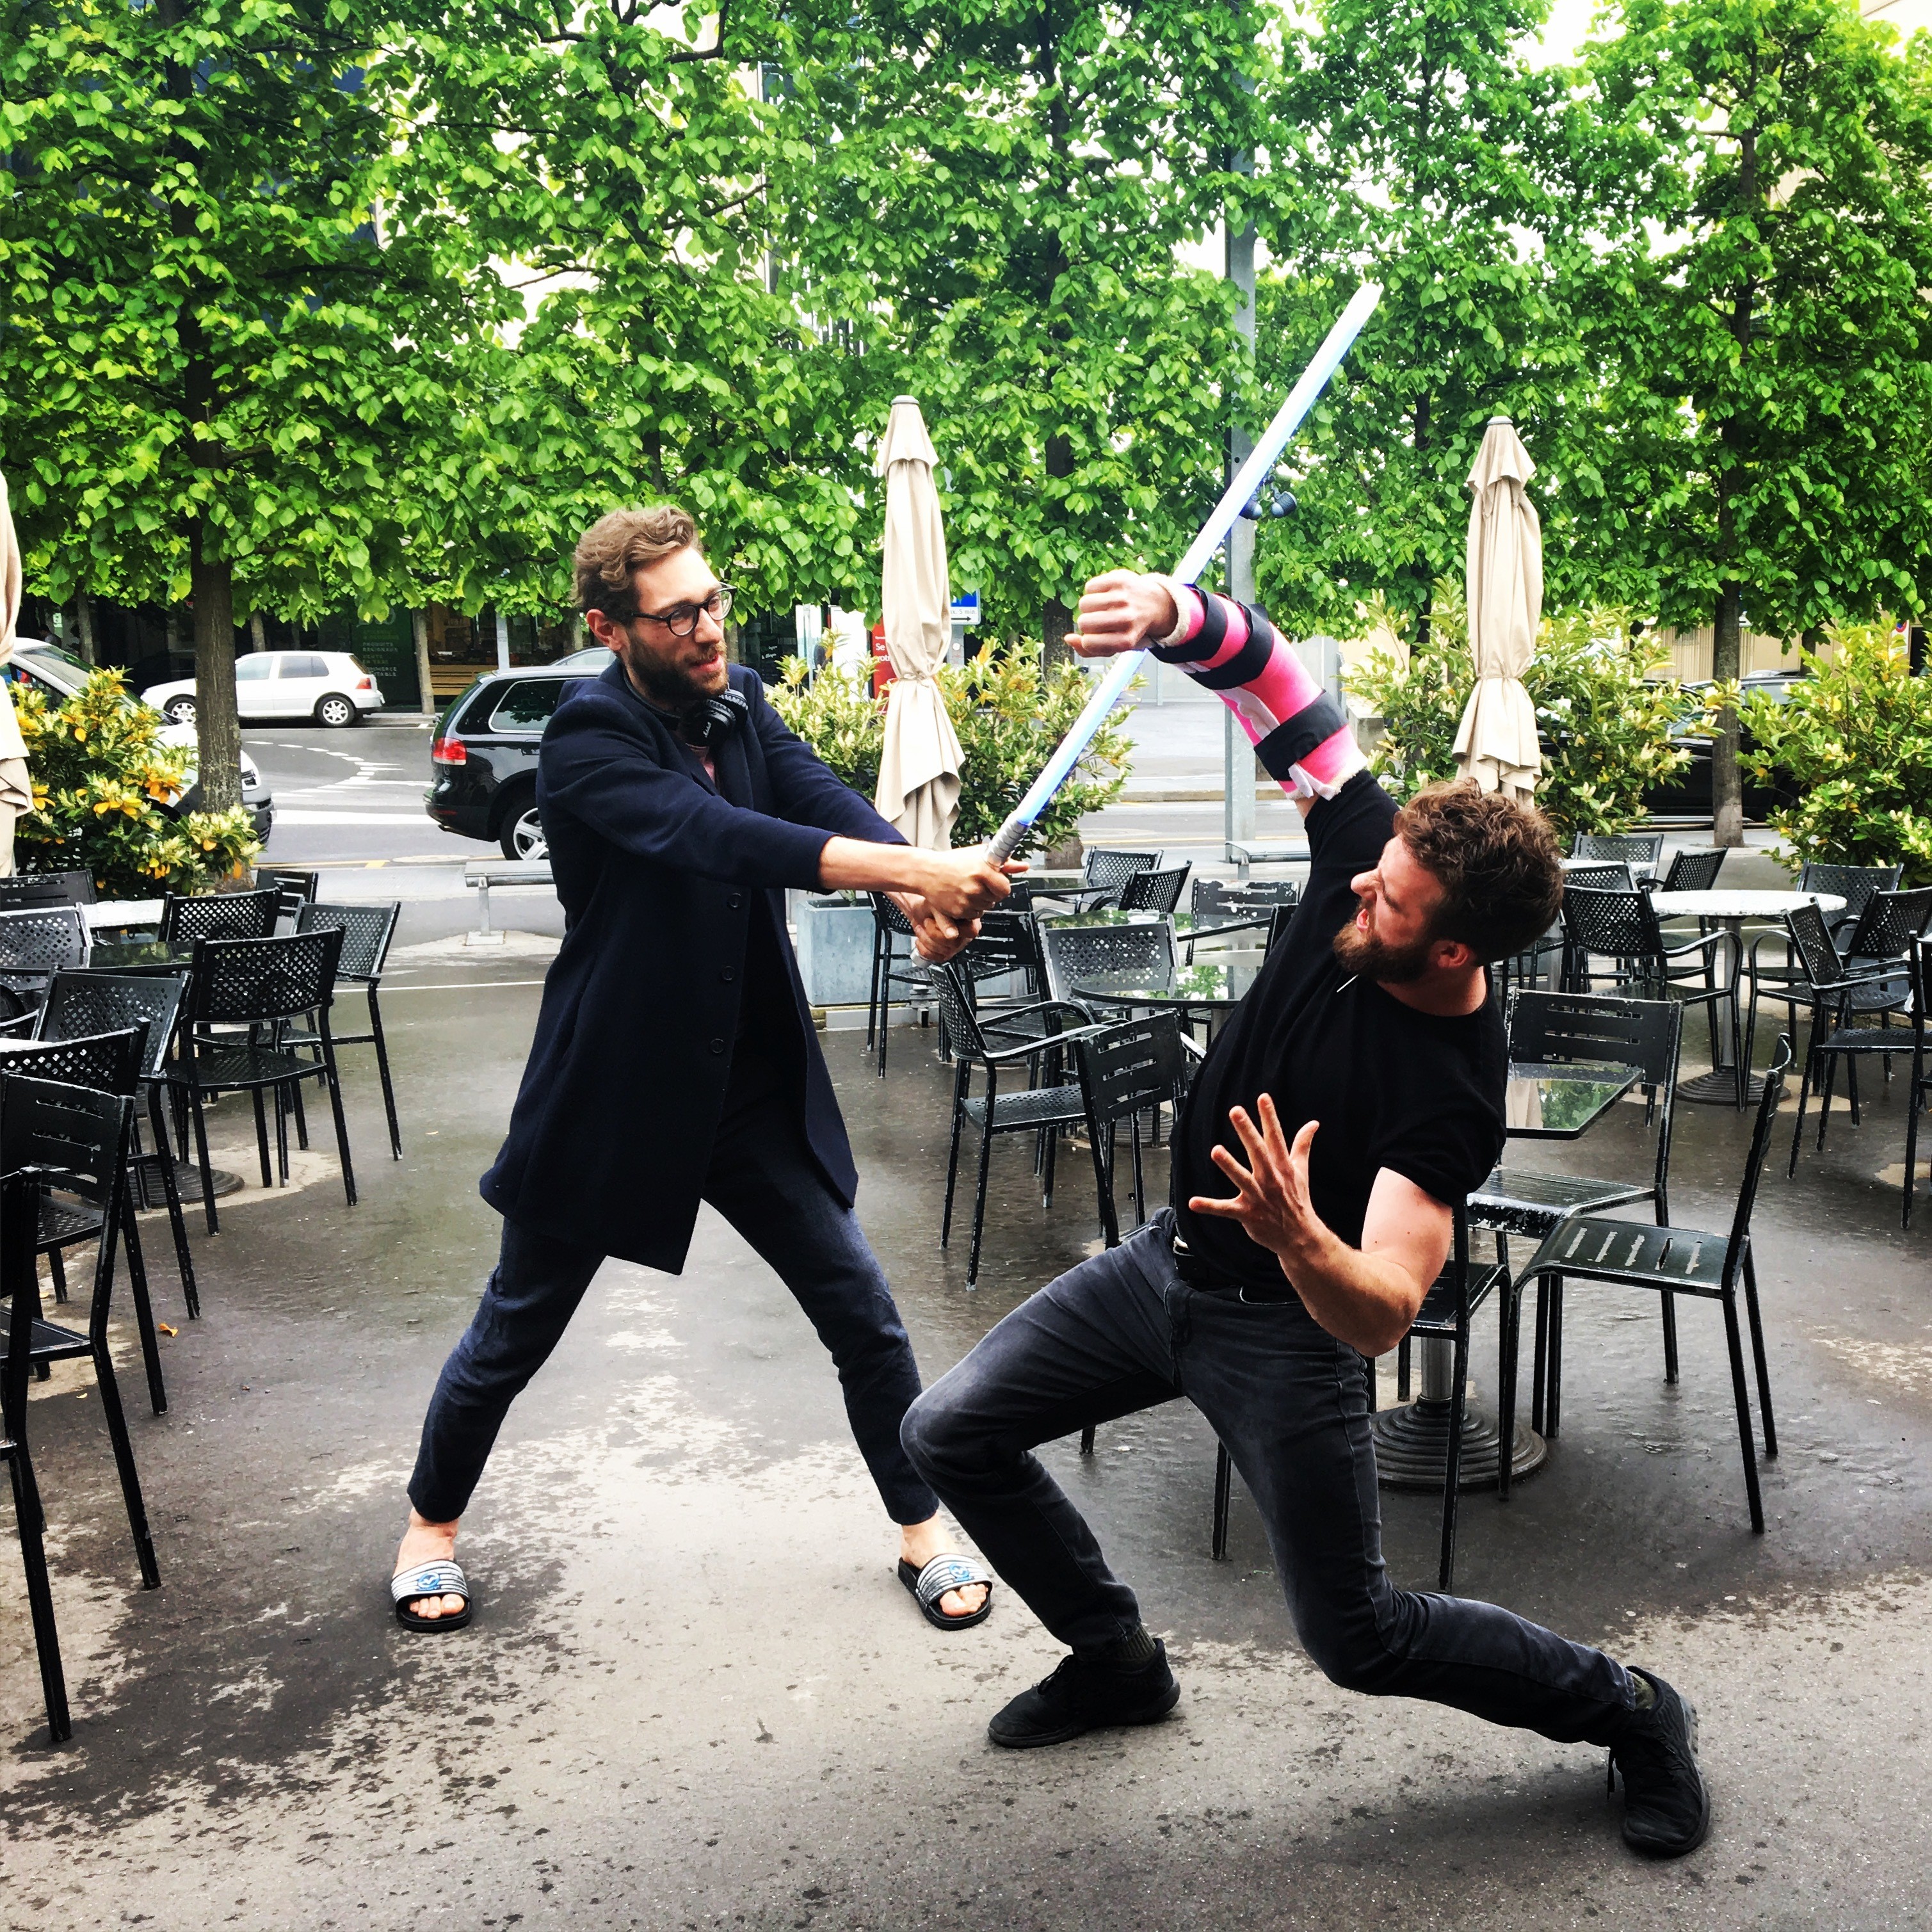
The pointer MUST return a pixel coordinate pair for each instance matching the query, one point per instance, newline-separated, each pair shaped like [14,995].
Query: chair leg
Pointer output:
[201,1153]
[1735,1343]
[1824,1088]
[1224,1489]
[979,1196]
[1914,1099]
[123,1459]
[1539,1369]
[1758,1358]
[952,1157]
[40,1595]
[1048,1152]
[1509,1338]
[261,1137]
[1552,1393]
[144,1308]
[1087,1440]
[1803,1095]
[1452,1468]
[382,1074]
[341,1125]
[1851,1088]
[1670,1301]
[1402,1370]
[163,1162]
[57,1267]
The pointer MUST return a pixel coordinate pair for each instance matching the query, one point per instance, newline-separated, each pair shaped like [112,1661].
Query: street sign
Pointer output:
[966,607]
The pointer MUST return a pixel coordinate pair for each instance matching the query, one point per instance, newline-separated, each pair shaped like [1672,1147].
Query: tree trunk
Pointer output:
[218,726]
[419,631]
[83,626]
[1727,795]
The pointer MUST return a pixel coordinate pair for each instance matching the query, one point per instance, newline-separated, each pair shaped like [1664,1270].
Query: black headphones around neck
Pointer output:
[711,720]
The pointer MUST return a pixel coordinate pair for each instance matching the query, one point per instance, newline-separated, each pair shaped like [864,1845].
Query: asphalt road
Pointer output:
[353,795]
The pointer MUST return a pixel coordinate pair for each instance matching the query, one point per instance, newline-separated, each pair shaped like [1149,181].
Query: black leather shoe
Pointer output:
[1666,1805]
[1080,1697]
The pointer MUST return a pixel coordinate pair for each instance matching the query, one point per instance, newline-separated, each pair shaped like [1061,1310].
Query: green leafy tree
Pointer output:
[1855,741]
[1758,327]
[1426,152]
[227,314]
[1604,718]
[105,792]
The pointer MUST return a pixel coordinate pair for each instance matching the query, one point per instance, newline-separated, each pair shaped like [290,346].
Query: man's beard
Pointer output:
[1363,953]
[670,687]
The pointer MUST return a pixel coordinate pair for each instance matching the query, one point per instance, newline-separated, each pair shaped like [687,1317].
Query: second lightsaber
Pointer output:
[1121,674]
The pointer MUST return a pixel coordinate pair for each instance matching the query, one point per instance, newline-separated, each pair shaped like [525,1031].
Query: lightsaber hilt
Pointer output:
[1248,479]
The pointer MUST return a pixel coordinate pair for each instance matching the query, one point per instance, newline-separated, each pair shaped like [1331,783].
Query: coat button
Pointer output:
[717,1046]
[729,974]
[735,901]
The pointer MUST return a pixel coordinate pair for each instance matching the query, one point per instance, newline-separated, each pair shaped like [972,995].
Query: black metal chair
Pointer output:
[367,931]
[1564,1029]
[1886,930]
[260,985]
[893,966]
[1854,884]
[1665,1260]
[79,1005]
[1241,895]
[20,1290]
[186,917]
[1041,1111]
[1623,927]
[297,886]
[1279,920]
[77,1139]
[1153,891]
[1693,872]
[1845,997]
[36,943]
[1104,872]
[22,892]
[1639,850]
[1071,953]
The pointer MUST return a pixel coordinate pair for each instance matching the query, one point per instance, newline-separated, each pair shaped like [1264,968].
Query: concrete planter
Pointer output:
[834,948]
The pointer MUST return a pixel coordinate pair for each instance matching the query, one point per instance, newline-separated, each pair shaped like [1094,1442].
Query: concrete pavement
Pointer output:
[695,1695]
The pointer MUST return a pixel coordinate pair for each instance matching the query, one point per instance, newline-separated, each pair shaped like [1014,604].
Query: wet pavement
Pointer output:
[695,1693]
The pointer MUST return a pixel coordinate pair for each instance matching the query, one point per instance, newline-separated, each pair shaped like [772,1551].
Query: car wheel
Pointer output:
[178,711]
[335,711]
[523,834]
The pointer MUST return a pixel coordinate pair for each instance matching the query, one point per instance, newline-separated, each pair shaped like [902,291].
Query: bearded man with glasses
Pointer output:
[675,1058]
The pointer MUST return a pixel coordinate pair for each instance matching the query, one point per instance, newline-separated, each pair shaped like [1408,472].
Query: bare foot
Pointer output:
[426,1542]
[920,1543]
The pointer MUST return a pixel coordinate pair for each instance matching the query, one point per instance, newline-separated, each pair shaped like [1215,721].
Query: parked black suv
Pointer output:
[483,759]
[1686,793]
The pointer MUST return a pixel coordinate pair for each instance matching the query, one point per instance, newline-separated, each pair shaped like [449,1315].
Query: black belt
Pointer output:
[1198,1272]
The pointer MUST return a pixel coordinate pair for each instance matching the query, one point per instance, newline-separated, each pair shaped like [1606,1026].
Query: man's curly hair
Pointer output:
[615,547]
[1497,862]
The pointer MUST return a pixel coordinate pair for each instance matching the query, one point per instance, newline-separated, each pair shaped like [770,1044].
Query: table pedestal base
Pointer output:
[1719,1088]
[188,1184]
[1412,1448]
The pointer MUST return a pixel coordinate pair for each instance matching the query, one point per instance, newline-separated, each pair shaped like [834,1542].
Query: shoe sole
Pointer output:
[1036,1740]
[1688,1845]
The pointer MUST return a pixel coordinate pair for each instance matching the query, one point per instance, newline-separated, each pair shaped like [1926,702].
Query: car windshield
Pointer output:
[40,648]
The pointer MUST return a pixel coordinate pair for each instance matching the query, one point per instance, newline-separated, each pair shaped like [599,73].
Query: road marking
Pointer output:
[461,985]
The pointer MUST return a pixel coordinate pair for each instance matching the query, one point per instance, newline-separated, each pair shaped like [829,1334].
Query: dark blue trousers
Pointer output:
[764,1180]
[1122,1332]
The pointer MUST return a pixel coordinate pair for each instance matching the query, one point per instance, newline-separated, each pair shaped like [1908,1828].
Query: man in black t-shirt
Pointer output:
[1363,1078]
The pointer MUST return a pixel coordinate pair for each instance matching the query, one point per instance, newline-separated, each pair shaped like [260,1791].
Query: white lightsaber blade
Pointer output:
[1267,452]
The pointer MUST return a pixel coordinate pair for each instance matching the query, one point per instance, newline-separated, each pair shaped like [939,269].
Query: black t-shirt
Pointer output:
[1392,1087]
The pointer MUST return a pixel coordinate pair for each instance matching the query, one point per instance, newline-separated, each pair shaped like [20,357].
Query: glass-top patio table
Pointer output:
[1189,927]
[1542,1102]
[1209,987]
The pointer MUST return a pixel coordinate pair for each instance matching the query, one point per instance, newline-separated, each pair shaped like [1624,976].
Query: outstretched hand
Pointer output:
[1271,1199]
[1121,611]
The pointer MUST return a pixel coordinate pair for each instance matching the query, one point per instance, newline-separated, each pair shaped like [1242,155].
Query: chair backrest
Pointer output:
[297,885]
[236,980]
[76,1135]
[79,1004]
[1279,920]
[1073,953]
[1619,924]
[1812,945]
[1889,924]
[1126,1068]
[1854,884]
[366,930]
[1110,870]
[1695,871]
[1613,873]
[22,889]
[1242,894]
[186,918]
[886,912]
[108,1062]
[1639,848]
[1154,892]
[1008,942]
[42,939]
[1760,1145]
[956,1008]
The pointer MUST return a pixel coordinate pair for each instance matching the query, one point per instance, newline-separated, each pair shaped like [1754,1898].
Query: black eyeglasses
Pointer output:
[681,620]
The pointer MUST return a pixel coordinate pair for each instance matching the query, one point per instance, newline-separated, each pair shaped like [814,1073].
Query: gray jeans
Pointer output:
[1122,1332]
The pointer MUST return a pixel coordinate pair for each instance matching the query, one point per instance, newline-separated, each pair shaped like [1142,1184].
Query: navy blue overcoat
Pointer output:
[612,1131]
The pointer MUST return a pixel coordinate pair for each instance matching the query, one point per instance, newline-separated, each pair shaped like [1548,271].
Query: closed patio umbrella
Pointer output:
[919,769]
[1495,743]
[16,794]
